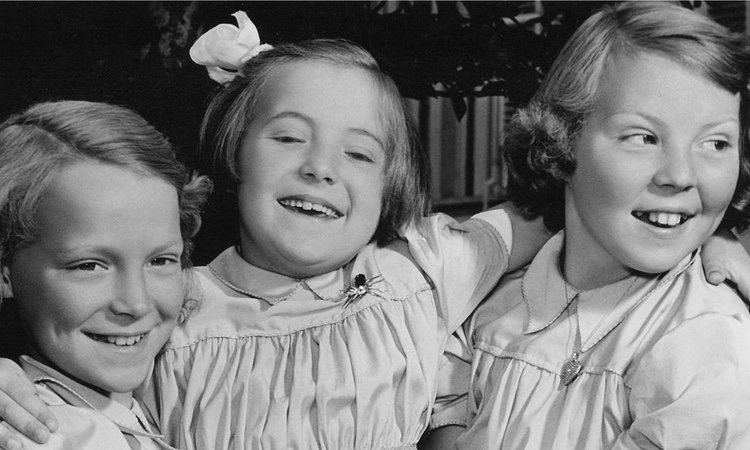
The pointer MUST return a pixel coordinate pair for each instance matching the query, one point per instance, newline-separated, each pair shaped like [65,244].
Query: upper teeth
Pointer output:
[122,341]
[308,206]
[664,218]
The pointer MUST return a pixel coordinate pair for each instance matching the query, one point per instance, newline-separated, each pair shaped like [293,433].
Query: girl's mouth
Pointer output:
[120,341]
[310,208]
[661,219]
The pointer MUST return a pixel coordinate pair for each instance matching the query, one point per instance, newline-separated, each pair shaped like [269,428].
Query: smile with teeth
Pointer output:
[120,341]
[310,208]
[661,219]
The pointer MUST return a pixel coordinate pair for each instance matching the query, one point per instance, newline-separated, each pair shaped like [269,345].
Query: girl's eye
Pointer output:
[88,266]
[161,261]
[641,139]
[288,139]
[717,145]
[359,156]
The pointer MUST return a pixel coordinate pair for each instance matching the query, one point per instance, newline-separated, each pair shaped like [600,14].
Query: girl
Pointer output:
[613,338]
[322,328]
[95,214]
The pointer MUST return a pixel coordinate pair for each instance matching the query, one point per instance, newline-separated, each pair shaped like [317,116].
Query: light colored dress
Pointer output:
[666,363]
[285,365]
[87,419]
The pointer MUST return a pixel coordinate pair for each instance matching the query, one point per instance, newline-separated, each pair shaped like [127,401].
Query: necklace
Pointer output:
[572,366]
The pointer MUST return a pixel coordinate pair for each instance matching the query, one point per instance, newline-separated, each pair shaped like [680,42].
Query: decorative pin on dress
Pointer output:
[360,287]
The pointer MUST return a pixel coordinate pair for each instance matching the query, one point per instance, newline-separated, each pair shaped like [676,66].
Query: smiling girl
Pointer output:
[613,338]
[95,214]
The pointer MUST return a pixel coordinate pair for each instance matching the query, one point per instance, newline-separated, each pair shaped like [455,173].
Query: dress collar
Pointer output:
[547,295]
[129,420]
[231,269]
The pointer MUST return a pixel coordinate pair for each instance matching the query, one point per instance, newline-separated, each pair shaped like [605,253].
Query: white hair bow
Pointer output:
[225,48]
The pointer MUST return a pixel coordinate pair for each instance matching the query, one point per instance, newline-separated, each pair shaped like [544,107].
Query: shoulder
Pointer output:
[79,428]
[695,297]
[401,274]
[698,330]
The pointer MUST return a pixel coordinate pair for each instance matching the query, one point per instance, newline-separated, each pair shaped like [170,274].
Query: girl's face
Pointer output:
[311,168]
[101,288]
[657,165]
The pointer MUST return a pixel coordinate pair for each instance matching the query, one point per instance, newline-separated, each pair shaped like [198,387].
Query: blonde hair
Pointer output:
[541,136]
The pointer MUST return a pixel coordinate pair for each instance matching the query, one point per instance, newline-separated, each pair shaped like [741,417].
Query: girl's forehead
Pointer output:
[324,93]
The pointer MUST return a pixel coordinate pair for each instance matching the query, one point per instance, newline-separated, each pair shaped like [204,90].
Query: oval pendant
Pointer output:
[570,369]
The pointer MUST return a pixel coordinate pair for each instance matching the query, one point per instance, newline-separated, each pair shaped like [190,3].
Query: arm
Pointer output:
[725,258]
[691,390]
[22,408]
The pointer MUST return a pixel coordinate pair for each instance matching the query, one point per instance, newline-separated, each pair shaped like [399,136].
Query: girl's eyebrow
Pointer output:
[363,132]
[657,120]
[73,250]
[311,122]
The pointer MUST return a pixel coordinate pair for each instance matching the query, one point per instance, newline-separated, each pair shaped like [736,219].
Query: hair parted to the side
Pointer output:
[36,143]
[406,191]
[541,137]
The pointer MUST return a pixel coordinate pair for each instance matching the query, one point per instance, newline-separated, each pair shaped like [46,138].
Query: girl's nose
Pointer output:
[676,171]
[319,165]
[131,296]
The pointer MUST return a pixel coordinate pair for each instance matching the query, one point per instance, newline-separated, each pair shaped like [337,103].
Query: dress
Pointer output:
[87,419]
[666,364]
[301,371]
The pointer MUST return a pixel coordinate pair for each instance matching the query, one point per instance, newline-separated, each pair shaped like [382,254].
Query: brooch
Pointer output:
[360,287]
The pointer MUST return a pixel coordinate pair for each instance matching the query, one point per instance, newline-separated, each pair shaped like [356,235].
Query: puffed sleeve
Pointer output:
[463,260]
[692,390]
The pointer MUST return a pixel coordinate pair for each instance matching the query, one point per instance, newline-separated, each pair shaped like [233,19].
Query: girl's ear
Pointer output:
[6,289]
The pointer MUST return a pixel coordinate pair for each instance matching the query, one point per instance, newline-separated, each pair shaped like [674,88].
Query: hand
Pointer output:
[21,408]
[725,259]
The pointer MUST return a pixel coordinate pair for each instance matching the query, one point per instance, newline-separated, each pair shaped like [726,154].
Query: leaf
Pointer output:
[459,106]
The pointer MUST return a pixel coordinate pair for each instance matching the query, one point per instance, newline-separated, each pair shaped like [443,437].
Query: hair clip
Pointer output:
[225,48]
[360,287]
[187,308]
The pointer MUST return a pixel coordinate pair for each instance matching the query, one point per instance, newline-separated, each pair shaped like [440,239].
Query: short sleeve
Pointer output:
[692,390]
[464,260]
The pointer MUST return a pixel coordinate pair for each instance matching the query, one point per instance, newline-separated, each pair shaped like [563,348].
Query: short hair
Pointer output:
[36,143]
[406,185]
[541,137]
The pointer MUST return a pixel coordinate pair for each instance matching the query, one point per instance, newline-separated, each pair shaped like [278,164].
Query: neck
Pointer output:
[584,274]
[585,263]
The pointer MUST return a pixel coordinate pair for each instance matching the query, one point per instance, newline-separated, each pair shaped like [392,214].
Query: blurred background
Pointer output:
[464,66]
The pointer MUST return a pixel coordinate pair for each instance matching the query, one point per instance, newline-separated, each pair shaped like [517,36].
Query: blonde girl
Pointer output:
[636,146]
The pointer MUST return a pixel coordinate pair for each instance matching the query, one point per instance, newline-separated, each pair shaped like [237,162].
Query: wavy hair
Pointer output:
[541,137]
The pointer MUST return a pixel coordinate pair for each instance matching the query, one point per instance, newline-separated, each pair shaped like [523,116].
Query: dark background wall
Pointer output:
[136,54]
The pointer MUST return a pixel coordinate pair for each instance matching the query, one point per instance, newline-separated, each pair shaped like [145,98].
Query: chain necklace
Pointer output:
[572,366]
